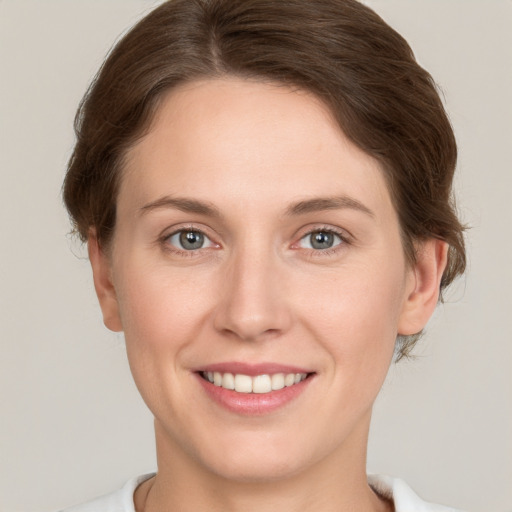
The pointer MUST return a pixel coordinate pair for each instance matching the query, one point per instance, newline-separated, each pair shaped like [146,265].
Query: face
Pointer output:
[258,248]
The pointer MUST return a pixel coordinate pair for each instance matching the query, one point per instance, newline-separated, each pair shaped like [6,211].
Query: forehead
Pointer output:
[247,140]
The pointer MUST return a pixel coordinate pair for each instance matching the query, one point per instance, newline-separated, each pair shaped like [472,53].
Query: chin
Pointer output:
[262,468]
[258,457]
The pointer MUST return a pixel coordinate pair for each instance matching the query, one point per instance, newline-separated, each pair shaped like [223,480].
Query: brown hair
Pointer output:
[339,50]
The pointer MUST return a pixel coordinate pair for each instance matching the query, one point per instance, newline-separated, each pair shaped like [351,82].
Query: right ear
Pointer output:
[102,275]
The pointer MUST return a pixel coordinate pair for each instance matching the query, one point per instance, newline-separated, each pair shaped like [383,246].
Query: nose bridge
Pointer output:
[253,303]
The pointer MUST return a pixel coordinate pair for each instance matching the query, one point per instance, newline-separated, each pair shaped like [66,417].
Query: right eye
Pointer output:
[189,240]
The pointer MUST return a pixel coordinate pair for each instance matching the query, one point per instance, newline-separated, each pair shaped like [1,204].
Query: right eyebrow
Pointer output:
[185,204]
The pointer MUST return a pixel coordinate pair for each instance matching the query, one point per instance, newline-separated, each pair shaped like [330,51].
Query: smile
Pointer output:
[258,384]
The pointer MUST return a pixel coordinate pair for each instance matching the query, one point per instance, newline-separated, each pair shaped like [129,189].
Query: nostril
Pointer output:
[251,335]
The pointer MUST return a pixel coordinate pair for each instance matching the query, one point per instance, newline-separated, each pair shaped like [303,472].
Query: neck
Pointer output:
[335,483]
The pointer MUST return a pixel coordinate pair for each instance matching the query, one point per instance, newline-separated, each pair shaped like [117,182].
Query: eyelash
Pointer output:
[344,240]
[165,241]
[319,253]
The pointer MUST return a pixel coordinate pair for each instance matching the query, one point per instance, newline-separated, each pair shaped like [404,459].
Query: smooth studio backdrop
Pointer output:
[72,425]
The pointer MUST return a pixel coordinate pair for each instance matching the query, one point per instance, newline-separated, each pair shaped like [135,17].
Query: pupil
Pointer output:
[322,240]
[191,240]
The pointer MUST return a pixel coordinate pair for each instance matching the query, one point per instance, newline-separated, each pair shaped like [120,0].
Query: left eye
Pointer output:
[190,240]
[320,240]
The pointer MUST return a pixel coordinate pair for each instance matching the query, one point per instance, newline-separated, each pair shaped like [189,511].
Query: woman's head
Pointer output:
[265,187]
[338,50]
[255,244]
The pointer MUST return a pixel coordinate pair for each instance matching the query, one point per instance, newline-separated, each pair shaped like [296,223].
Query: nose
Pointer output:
[252,301]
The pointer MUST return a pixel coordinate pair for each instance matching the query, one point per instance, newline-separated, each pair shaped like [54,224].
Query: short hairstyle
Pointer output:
[339,50]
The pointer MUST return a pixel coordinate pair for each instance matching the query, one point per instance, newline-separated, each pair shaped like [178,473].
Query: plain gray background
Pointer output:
[72,424]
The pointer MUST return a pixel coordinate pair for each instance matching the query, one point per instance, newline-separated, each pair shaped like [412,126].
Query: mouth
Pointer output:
[253,389]
[258,384]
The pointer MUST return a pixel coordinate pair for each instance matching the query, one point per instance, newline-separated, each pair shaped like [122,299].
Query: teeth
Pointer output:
[243,383]
[228,381]
[261,384]
[258,384]
[289,380]
[277,381]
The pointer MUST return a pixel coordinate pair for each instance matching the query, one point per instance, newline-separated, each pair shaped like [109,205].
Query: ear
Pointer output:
[423,286]
[102,275]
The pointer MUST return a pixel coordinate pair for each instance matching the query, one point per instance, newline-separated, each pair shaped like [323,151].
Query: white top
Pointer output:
[404,498]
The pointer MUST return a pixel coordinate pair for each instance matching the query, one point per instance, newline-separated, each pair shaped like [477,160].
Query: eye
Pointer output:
[189,240]
[320,240]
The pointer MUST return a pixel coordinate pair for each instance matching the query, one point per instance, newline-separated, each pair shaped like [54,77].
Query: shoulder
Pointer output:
[404,498]
[118,501]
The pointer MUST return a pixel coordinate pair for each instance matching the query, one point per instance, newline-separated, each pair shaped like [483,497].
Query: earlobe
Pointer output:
[424,286]
[102,275]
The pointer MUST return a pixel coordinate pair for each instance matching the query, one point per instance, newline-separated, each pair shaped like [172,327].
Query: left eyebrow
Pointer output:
[319,204]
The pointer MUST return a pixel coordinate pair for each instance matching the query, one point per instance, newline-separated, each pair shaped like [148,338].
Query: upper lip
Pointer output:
[251,369]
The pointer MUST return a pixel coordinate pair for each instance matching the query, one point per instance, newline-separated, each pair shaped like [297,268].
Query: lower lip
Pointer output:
[253,404]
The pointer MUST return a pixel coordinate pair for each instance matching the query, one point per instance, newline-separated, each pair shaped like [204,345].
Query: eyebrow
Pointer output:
[318,204]
[184,204]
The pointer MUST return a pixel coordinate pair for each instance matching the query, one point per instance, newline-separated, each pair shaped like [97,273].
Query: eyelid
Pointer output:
[163,239]
[327,228]
[169,232]
[344,236]
[177,233]
[308,235]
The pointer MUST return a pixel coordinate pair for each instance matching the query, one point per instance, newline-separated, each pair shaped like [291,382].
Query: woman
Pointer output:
[265,191]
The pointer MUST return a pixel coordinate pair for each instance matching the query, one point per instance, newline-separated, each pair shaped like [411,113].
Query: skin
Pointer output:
[257,292]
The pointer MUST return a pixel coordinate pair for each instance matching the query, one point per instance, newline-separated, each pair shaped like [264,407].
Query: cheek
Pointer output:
[163,314]
[356,315]
[162,310]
